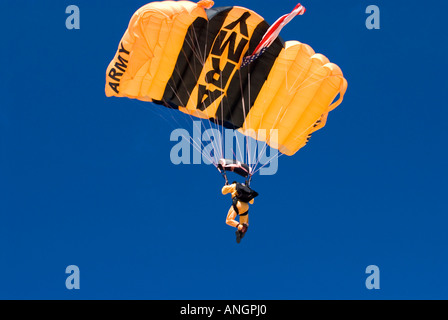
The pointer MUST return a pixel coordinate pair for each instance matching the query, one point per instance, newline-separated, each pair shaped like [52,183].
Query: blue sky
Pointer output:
[87,180]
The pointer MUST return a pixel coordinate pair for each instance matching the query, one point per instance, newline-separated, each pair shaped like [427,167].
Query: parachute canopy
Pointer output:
[188,56]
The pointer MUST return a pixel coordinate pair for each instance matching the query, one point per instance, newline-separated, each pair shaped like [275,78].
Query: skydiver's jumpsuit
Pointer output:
[243,207]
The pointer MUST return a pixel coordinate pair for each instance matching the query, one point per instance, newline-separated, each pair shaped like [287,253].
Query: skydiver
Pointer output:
[242,195]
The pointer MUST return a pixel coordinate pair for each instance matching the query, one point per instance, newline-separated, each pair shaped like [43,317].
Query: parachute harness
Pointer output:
[235,166]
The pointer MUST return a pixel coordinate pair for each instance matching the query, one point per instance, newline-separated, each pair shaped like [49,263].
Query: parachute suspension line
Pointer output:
[268,134]
[146,107]
[252,157]
[203,63]
[300,87]
[198,53]
[269,37]
[198,148]
[267,141]
[217,145]
[235,135]
[214,143]
[206,42]
[201,59]
[224,175]
[244,115]
[151,109]
[268,138]
[194,38]
[277,155]
[249,156]
[260,154]
[193,143]
[222,133]
[222,126]
[222,116]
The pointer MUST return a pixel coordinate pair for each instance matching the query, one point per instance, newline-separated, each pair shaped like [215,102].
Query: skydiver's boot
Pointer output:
[240,234]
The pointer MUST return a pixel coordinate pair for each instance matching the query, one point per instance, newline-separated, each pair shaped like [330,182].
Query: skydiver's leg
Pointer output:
[244,218]
[243,208]
[230,220]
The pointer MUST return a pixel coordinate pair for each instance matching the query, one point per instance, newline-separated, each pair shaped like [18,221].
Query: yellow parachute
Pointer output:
[189,56]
